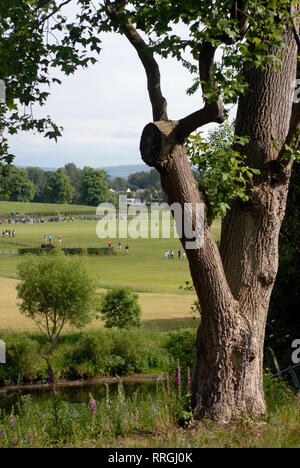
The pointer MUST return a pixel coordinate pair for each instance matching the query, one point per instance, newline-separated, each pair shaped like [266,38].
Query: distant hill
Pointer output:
[46,169]
[124,171]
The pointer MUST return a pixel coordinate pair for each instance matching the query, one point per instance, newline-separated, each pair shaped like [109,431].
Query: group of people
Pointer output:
[171,254]
[8,233]
[120,246]
[33,220]
[48,238]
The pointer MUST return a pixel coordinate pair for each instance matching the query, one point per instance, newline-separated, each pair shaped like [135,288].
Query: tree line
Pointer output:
[72,185]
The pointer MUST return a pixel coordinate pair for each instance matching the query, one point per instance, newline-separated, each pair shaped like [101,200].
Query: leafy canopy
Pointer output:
[217,22]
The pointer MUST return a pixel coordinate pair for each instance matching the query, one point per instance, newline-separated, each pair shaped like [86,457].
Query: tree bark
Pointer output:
[234,285]
[250,232]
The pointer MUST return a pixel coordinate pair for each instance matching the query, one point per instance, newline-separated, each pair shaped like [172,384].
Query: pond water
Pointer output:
[77,394]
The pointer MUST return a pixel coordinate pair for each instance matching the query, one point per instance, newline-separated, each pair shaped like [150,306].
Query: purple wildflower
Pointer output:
[11,422]
[277,366]
[189,379]
[15,441]
[93,406]
[178,375]
[2,434]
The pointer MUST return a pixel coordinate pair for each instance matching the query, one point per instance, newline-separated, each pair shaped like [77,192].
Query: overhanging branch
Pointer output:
[115,11]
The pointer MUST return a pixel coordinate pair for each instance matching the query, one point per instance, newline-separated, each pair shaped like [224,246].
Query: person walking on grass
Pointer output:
[127,249]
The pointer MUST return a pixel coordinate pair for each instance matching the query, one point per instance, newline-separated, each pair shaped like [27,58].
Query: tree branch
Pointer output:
[159,104]
[210,113]
[45,18]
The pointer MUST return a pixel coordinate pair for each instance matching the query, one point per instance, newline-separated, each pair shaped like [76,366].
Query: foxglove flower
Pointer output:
[178,375]
[189,379]
[93,406]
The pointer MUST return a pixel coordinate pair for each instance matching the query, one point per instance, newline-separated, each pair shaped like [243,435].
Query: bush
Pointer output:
[85,355]
[181,345]
[110,353]
[99,251]
[120,308]
[22,362]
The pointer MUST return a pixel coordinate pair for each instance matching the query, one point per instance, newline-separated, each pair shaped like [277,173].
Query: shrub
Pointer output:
[120,308]
[99,251]
[22,362]
[182,347]
[110,353]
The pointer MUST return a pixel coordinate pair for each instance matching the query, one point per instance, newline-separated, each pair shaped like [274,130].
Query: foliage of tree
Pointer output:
[34,38]
[94,187]
[56,290]
[20,188]
[120,308]
[39,179]
[59,188]
[222,173]
[75,175]
[145,179]
[119,184]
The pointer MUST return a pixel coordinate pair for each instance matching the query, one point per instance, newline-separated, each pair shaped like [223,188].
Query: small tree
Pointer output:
[120,308]
[56,290]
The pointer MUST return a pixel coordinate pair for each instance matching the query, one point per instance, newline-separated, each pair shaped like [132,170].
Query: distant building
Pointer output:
[134,201]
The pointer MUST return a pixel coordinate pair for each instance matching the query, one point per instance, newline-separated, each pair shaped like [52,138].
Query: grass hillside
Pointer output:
[44,209]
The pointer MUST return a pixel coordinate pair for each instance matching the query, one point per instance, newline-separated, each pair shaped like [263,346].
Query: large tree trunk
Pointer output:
[249,251]
[235,284]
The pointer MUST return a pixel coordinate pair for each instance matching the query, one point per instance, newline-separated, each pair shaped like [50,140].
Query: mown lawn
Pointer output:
[159,311]
[44,209]
[144,269]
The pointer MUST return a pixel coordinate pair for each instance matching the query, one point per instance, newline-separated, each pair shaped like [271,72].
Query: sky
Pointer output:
[103,110]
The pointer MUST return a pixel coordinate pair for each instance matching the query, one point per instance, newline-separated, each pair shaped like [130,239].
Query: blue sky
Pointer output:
[103,111]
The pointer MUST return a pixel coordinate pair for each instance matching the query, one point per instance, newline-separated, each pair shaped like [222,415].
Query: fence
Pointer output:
[290,370]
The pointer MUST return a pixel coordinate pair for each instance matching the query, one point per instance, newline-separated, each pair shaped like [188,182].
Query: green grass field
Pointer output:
[144,269]
[43,209]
